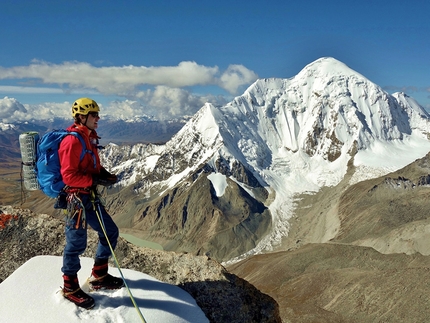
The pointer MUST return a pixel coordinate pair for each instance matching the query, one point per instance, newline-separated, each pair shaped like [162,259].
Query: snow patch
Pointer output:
[6,126]
[219,182]
[31,294]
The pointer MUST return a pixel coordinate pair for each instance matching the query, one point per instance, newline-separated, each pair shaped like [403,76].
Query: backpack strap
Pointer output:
[84,148]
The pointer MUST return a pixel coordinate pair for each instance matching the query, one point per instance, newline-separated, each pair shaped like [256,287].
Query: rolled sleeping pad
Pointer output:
[28,146]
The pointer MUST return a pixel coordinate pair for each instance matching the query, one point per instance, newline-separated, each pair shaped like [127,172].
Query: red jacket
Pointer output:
[78,173]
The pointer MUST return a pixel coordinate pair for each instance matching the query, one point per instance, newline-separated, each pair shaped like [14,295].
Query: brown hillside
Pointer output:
[325,270]
[342,283]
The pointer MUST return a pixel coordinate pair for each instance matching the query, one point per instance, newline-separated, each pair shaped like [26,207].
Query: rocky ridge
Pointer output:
[223,297]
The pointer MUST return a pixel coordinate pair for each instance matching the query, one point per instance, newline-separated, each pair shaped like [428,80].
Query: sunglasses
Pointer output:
[94,114]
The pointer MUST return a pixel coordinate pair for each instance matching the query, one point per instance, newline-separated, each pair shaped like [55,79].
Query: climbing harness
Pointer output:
[76,210]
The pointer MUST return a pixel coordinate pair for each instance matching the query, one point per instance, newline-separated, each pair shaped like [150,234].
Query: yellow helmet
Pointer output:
[84,106]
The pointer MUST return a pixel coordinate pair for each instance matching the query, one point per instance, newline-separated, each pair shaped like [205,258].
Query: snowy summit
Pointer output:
[158,302]
[295,135]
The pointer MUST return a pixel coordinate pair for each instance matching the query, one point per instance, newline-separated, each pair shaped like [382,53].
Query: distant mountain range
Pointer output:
[111,130]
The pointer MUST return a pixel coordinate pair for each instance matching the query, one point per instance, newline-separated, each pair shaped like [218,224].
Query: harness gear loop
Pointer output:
[75,208]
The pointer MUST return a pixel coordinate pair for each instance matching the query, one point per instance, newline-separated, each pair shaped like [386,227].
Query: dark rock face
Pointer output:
[192,218]
[223,297]
[424,180]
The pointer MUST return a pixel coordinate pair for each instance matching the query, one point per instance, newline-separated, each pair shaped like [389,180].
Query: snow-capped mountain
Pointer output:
[283,136]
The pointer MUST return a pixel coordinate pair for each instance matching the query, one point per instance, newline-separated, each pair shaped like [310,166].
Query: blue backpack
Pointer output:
[48,163]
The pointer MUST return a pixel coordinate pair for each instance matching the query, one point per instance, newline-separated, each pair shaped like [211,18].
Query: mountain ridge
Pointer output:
[289,136]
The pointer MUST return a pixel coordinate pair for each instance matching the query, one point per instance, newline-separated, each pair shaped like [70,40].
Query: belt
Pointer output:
[82,190]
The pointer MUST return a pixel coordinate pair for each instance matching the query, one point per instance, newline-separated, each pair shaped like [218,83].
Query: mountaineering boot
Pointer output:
[75,294]
[100,279]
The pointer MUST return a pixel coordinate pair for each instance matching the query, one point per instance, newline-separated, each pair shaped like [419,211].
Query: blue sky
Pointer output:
[167,58]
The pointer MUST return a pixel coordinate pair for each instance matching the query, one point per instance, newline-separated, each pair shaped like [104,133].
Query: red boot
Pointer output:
[75,294]
[100,279]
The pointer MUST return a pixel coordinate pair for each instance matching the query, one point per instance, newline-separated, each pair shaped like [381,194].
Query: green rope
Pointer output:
[98,212]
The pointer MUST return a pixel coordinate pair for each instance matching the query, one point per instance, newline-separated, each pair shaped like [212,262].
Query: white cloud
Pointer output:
[173,101]
[124,110]
[29,90]
[123,80]
[163,91]
[49,111]
[11,110]
[166,102]
[162,102]
[235,76]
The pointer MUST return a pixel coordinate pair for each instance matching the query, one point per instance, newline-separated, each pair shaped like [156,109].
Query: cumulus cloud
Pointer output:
[123,80]
[165,102]
[235,76]
[161,91]
[49,111]
[162,102]
[124,110]
[11,110]
[172,101]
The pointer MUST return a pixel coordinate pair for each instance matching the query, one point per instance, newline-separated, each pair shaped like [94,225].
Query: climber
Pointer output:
[81,177]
